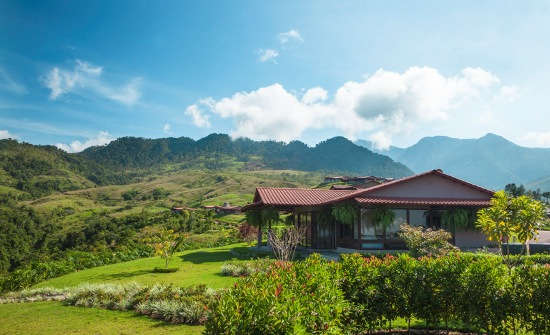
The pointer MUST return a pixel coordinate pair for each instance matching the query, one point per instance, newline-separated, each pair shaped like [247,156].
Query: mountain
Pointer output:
[37,170]
[337,154]
[491,161]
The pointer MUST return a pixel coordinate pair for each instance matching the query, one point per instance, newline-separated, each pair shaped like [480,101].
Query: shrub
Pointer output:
[240,268]
[164,302]
[301,297]
[426,242]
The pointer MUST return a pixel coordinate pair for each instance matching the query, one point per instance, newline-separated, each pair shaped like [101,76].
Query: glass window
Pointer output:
[417,217]
[368,230]
[400,217]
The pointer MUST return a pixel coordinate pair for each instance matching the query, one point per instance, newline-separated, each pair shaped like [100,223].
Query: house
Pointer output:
[419,200]
[225,209]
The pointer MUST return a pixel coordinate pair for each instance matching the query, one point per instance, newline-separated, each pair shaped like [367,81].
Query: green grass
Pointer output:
[201,266]
[53,318]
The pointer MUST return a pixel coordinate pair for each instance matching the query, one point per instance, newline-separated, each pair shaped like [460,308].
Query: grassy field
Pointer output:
[200,266]
[47,318]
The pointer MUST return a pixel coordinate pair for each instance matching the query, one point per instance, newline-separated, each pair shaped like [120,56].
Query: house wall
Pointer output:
[431,186]
[470,239]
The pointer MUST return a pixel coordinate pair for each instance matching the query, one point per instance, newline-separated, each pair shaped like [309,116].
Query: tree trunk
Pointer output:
[527,249]
[259,235]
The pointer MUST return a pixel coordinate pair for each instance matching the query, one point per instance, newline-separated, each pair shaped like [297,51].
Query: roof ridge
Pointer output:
[405,179]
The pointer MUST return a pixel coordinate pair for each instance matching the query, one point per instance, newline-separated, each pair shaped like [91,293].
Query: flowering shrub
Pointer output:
[426,242]
[289,298]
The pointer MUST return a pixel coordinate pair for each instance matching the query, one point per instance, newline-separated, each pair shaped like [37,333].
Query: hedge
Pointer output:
[361,294]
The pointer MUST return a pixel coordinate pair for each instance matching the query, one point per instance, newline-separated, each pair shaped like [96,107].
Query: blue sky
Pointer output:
[79,73]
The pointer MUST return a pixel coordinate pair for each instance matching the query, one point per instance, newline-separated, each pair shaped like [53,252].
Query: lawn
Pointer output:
[201,266]
[53,318]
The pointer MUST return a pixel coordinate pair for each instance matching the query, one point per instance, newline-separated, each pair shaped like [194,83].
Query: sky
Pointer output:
[81,73]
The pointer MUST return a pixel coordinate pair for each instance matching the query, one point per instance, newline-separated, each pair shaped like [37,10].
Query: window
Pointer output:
[368,230]
[417,217]
[399,219]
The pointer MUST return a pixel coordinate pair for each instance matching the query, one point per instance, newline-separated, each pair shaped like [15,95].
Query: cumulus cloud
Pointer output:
[265,55]
[382,105]
[102,138]
[198,116]
[536,139]
[87,77]
[6,134]
[167,128]
[291,35]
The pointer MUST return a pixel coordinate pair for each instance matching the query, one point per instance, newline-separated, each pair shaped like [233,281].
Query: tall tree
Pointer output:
[495,221]
[528,214]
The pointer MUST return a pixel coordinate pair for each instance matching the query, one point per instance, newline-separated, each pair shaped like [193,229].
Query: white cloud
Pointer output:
[265,55]
[536,139]
[313,95]
[382,105]
[291,35]
[87,77]
[102,138]
[167,128]
[200,119]
[6,134]
[10,85]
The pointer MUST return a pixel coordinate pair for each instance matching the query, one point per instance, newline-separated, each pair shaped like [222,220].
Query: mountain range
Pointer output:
[37,170]
[491,161]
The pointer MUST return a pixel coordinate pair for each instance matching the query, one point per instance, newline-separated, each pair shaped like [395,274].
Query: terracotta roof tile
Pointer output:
[421,201]
[297,196]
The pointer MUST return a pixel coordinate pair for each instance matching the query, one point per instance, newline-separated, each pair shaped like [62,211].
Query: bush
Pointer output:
[164,302]
[246,268]
[426,242]
[289,298]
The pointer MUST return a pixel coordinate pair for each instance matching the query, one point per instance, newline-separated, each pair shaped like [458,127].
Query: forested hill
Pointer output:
[336,154]
[38,170]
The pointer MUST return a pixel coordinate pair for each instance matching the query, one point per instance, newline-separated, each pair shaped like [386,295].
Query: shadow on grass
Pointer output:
[241,253]
[121,275]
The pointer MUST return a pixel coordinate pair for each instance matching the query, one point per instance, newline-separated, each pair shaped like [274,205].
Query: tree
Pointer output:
[166,243]
[546,195]
[495,221]
[528,214]
[514,190]
[519,216]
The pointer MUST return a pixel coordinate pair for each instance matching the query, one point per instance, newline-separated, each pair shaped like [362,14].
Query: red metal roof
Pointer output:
[290,197]
[296,196]
[406,179]
[421,201]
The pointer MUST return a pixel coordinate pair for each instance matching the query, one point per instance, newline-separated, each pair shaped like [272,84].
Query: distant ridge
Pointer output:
[335,154]
[491,160]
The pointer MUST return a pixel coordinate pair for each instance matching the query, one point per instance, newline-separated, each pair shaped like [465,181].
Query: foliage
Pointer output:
[246,268]
[247,232]
[165,243]
[520,216]
[425,241]
[528,216]
[173,304]
[290,298]
[383,216]
[495,221]
[456,218]
[38,271]
[345,213]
